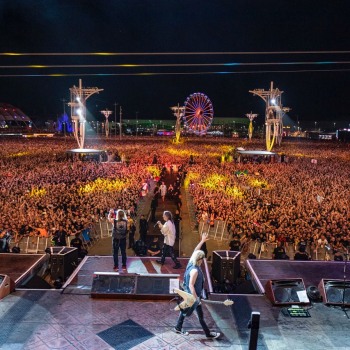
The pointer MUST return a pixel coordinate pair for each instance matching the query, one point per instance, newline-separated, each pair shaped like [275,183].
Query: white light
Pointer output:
[79,111]
[78,99]
[273,101]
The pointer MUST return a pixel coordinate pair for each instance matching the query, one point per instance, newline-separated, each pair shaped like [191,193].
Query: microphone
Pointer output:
[158,222]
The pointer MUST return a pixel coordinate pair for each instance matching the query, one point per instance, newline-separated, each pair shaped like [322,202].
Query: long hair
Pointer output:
[168,215]
[196,256]
[121,215]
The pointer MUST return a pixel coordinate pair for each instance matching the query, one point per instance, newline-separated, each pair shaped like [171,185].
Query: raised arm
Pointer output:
[111,216]
[204,238]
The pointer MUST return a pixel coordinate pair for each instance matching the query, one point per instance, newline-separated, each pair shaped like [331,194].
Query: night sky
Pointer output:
[316,89]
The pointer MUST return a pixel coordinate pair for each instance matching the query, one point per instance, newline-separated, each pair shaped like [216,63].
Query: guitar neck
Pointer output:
[212,302]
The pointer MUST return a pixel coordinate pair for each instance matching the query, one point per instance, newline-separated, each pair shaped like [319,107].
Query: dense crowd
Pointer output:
[302,201]
[305,199]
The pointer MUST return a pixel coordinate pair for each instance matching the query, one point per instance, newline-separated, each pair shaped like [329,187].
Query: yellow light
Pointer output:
[234,192]
[36,192]
[12,54]
[19,154]
[214,181]
[258,183]
[190,176]
[104,185]
[153,170]
[37,66]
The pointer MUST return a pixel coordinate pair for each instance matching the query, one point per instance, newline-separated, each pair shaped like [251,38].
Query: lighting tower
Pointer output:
[251,117]
[273,114]
[106,113]
[78,97]
[178,113]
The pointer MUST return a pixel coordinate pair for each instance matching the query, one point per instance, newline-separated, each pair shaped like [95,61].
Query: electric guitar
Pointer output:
[189,303]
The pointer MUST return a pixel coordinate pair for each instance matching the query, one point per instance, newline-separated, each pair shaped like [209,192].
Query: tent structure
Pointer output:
[12,116]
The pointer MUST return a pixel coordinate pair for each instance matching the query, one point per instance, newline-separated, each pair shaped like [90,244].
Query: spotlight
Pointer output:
[273,101]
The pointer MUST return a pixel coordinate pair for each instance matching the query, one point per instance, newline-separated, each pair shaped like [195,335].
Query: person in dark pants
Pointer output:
[169,233]
[177,220]
[119,233]
[194,284]
[131,230]
[143,228]
[154,204]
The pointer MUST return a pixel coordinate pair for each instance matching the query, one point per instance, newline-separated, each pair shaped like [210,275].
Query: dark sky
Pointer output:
[154,26]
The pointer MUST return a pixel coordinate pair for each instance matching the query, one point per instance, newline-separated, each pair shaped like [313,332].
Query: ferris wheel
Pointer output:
[198,114]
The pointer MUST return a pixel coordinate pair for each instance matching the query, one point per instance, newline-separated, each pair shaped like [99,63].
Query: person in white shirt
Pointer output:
[169,232]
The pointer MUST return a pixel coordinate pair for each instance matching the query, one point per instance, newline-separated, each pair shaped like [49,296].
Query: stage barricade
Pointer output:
[43,244]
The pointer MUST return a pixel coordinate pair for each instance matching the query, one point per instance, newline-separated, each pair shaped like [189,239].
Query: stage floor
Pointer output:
[81,280]
[43,320]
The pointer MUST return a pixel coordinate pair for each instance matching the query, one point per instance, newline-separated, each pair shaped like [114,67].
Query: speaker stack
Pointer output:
[63,262]
[226,266]
[286,292]
[335,292]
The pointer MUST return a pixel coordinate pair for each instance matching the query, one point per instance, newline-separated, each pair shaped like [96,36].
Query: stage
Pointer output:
[70,318]
[80,282]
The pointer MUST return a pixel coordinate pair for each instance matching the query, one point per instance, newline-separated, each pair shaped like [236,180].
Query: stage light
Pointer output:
[273,101]
[78,99]
[80,112]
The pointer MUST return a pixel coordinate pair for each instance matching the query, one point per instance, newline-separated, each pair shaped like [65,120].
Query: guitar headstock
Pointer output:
[228,302]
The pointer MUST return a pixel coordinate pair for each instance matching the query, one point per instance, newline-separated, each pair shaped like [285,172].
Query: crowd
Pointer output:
[299,202]
[304,200]
[42,192]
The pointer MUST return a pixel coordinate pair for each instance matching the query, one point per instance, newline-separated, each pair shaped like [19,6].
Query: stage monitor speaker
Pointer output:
[134,286]
[286,292]
[7,286]
[335,292]
[226,266]
[63,262]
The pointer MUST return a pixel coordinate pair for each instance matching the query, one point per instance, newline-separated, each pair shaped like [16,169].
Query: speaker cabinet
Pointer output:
[286,292]
[63,262]
[226,266]
[7,286]
[134,286]
[335,292]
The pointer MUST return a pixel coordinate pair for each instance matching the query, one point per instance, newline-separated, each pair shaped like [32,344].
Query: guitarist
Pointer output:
[194,284]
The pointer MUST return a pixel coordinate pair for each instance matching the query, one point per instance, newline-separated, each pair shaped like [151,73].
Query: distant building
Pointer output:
[12,118]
